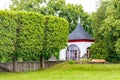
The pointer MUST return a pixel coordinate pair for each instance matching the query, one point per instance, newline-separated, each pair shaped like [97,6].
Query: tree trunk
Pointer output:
[15,50]
[14,63]
[42,64]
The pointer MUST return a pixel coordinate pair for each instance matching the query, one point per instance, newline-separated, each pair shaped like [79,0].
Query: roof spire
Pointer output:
[79,20]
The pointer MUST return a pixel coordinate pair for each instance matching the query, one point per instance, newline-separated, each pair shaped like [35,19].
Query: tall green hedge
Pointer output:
[26,35]
[56,35]
[30,34]
[7,34]
[21,35]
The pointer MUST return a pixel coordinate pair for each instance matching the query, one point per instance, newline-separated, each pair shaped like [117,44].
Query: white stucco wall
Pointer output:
[62,54]
[82,46]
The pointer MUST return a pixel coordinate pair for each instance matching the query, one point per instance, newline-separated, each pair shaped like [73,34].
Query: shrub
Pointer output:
[71,62]
[113,58]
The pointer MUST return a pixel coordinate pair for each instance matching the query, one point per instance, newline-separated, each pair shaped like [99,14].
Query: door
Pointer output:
[73,52]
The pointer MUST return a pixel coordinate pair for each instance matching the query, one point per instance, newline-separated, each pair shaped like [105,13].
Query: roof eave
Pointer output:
[82,40]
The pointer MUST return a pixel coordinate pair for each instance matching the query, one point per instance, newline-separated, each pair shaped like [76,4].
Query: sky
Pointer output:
[88,5]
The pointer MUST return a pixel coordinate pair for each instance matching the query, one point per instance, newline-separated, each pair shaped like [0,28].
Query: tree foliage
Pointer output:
[56,8]
[106,27]
[26,5]
[117,45]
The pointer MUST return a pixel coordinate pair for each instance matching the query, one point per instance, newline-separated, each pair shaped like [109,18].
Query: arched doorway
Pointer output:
[73,52]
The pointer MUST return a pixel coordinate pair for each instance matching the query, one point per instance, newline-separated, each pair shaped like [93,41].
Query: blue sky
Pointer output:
[88,5]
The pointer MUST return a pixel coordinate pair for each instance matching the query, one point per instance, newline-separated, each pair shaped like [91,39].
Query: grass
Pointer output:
[66,71]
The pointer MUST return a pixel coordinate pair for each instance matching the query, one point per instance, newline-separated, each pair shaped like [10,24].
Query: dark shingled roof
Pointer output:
[79,34]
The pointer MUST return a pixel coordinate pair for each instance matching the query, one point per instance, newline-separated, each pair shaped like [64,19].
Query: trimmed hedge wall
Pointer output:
[26,35]
[30,35]
[56,35]
[8,26]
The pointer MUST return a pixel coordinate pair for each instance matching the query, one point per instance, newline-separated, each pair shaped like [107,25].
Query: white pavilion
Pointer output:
[79,42]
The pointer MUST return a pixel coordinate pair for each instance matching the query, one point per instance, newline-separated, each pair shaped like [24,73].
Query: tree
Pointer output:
[98,49]
[110,29]
[57,8]
[107,28]
[26,5]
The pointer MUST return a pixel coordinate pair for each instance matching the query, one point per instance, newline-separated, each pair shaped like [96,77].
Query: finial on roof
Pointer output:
[79,20]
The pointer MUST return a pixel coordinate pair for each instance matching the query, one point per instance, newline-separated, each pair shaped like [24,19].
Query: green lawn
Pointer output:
[66,71]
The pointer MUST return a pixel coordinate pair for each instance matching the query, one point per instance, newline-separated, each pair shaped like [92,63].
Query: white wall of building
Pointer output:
[82,46]
[62,54]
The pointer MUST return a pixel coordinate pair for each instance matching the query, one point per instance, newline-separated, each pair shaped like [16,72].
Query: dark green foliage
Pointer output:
[56,35]
[106,27]
[118,46]
[98,50]
[113,58]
